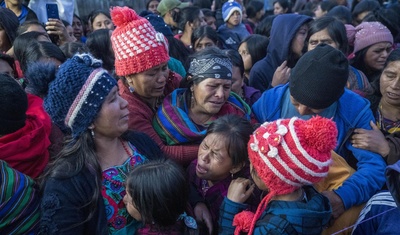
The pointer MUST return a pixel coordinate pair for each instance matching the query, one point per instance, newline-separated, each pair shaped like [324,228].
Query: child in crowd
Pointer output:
[233,31]
[286,157]
[156,194]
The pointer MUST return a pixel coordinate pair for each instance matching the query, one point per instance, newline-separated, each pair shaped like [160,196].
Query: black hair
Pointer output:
[285,4]
[341,13]
[236,131]
[307,12]
[24,26]
[256,46]
[99,45]
[34,51]
[71,48]
[363,6]
[264,26]
[253,7]
[393,56]
[148,3]
[327,5]
[235,58]
[187,15]
[208,12]
[203,3]
[358,62]
[335,28]
[159,191]
[204,31]
[8,59]
[177,49]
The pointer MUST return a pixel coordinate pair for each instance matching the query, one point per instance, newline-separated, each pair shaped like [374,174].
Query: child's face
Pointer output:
[235,19]
[260,184]
[130,207]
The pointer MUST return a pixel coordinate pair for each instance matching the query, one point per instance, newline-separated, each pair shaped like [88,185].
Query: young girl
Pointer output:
[156,194]
[286,157]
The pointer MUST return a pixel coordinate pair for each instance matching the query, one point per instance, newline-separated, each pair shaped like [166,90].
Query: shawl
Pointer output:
[174,126]
[19,202]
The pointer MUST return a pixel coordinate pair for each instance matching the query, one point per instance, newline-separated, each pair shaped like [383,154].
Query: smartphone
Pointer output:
[52,11]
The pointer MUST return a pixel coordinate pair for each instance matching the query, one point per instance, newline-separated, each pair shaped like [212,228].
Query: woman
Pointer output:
[189,19]
[247,93]
[184,115]
[384,138]
[255,12]
[252,49]
[84,188]
[222,158]
[77,25]
[145,78]
[204,37]
[288,35]
[331,31]
[281,7]
[99,19]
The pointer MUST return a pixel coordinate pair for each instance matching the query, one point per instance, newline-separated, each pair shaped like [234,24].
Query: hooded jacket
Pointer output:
[284,29]
[26,150]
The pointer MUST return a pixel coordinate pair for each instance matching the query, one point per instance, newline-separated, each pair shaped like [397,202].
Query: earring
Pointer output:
[192,101]
[131,89]
[231,175]
[92,133]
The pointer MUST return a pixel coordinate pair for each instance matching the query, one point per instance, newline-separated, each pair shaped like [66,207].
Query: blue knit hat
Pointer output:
[75,96]
[229,7]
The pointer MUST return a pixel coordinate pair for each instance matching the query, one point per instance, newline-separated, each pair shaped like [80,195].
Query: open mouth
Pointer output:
[200,169]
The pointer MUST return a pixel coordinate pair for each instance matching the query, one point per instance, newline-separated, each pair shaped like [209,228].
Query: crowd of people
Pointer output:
[201,117]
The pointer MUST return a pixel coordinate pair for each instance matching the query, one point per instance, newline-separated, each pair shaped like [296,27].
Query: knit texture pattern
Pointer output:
[288,154]
[370,33]
[76,95]
[137,46]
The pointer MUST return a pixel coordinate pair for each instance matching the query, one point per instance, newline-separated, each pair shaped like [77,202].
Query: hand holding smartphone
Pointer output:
[52,13]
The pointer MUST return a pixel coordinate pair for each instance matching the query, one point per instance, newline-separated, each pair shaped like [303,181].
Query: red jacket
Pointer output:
[26,149]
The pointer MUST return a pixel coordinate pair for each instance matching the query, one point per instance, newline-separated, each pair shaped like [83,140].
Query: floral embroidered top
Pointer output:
[113,191]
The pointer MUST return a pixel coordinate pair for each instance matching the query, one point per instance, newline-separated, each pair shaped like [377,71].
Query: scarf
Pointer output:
[174,126]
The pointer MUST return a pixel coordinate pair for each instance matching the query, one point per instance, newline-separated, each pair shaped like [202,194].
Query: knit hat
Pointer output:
[9,22]
[166,5]
[288,154]
[319,77]
[370,33]
[229,7]
[137,46]
[76,95]
[350,33]
[13,105]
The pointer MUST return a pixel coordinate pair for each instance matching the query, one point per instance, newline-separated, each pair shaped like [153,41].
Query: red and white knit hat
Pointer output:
[288,154]
[137,46]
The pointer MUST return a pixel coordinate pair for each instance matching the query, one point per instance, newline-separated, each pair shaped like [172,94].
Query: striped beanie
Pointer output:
[137,46]
[288,154]
[75,96]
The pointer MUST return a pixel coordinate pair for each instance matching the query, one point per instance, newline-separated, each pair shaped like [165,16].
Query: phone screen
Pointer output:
[52,11]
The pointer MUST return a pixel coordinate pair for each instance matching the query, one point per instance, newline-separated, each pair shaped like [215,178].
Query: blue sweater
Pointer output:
[352,112]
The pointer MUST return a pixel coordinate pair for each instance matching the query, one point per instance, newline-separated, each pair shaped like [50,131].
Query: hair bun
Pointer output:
[122,16]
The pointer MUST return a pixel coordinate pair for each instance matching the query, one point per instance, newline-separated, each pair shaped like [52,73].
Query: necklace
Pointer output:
[385,124]
[125,148]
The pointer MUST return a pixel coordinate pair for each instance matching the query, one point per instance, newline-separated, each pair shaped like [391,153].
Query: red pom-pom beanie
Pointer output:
[137,46]
[290,153]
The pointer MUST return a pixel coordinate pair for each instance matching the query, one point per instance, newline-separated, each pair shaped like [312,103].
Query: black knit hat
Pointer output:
[319,77]
[13,105]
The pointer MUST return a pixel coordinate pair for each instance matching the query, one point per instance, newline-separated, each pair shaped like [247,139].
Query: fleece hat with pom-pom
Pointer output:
[288,154]
[229,7]
[137,46]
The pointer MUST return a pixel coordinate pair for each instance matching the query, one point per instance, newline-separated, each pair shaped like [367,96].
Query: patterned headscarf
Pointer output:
[210,64]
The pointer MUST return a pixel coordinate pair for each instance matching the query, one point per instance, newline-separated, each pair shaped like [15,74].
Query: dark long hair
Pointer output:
[99,44]
[236,131]
[187,15]
[160,191]
[256,46]
[203,32]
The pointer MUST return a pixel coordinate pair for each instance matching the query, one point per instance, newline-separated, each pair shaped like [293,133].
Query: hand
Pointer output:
[336,203]
[281,75]
[372,140]
[240,190]
[56,27]
[202,213]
